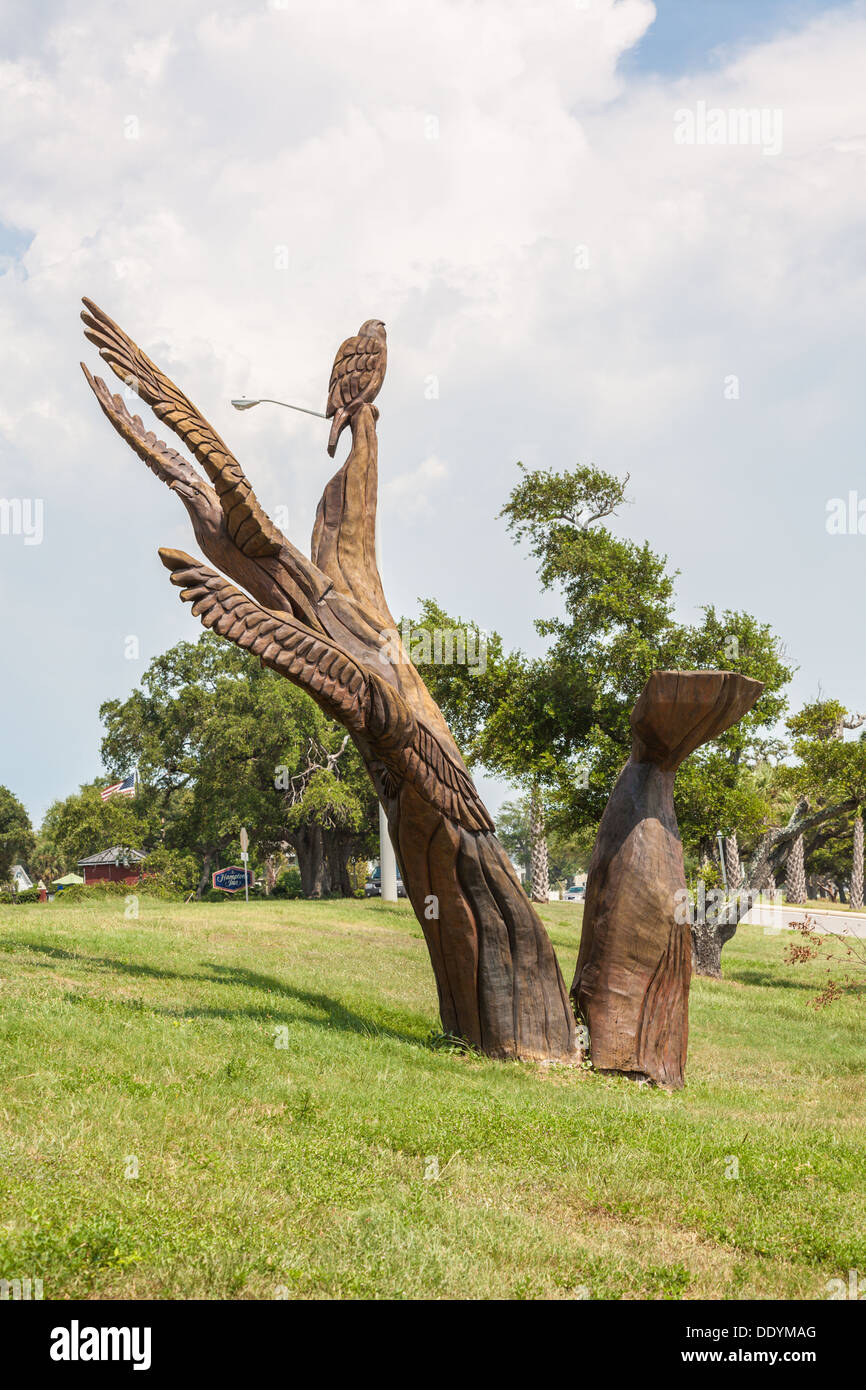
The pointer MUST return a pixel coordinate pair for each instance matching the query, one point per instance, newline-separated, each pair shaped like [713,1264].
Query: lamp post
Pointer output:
[387,857]
[243,404]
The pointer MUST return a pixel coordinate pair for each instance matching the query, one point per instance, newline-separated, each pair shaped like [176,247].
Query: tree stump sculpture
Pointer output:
[323,623]
[632,979]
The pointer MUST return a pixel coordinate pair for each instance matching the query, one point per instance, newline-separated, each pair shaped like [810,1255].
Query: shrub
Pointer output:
[288,885]
[173,869]
[152,886]
[28,895]
[88,892]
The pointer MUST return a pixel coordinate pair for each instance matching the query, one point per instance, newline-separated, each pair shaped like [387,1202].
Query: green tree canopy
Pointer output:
[562,720]
[221,742]
[16,833]
[83,824]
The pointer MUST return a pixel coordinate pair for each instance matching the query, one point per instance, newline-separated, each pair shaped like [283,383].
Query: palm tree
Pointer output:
[733,866]
[857,866]
[795,877]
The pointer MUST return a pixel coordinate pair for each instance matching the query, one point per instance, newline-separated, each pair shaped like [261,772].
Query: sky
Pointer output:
[579,257]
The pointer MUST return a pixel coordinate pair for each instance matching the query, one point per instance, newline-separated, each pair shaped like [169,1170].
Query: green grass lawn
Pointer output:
[308,1169]
[819,905]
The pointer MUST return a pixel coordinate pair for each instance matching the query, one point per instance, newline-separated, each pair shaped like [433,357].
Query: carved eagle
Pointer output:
[356,377]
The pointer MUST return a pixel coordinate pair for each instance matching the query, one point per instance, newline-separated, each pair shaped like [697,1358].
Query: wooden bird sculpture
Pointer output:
[356,377]
[321,622]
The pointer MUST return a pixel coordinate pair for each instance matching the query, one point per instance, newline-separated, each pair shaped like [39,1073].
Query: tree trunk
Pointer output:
[308,846]
[733,867]
[270,874]
[337,849]
[204,881]
[774,846]
[795,875]
[857,866]
[708,938]
[634,966]
[540,874]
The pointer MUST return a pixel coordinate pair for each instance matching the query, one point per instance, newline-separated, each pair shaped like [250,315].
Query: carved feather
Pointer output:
[328,673]
[168,465]
[357,374]
[363,702]
[248,524]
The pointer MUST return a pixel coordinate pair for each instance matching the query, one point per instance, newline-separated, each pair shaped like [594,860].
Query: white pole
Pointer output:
[721,842]
[245,860]
[387,857]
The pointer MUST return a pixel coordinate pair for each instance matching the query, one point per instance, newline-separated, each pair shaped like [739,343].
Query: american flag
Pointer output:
[124,788]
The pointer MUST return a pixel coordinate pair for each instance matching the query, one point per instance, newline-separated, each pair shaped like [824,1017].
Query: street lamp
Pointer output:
[387,858]
[244,404]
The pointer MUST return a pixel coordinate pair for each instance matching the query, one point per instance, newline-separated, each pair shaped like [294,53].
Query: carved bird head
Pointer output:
[373,328]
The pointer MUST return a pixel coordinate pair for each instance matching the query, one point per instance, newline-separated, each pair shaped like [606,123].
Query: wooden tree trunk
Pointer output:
[498,981]
[634,966]
[795,876]
[857,865]
[324,624]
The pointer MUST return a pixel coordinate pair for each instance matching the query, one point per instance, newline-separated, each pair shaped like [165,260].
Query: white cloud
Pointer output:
[309,128]
[409,494]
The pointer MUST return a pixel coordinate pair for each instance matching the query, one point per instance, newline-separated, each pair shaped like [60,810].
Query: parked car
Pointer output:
[574,895]
[373,886]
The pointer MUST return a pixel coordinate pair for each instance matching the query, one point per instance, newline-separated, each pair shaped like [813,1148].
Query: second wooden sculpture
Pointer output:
[631,985]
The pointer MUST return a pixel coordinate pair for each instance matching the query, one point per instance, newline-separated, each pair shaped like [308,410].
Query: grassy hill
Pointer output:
[302,1162]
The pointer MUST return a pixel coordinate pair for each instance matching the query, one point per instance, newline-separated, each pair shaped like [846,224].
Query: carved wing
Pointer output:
[361,701]
[359,370]
[249,526]
[324,670]
[168,465]
[441,781]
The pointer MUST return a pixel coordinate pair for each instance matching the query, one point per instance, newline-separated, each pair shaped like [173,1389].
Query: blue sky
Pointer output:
[688,35]
[13,246]
[510,198]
